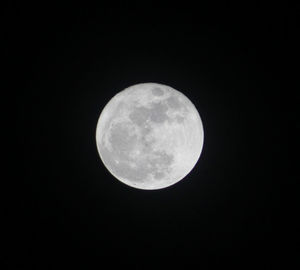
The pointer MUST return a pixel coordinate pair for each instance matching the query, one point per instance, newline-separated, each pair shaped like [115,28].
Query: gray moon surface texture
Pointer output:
[149,136]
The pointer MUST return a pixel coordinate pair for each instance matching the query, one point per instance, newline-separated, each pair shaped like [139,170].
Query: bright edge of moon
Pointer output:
[149,136]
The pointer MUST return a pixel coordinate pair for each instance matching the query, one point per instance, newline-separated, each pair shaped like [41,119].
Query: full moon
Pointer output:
[149,136]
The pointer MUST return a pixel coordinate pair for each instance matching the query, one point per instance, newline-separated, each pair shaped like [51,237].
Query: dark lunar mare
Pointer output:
[123,140]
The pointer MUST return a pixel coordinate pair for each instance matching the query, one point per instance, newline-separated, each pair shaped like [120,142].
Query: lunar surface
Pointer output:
[149,136]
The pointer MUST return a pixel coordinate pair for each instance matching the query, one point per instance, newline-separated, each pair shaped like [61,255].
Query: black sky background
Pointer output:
[231,60]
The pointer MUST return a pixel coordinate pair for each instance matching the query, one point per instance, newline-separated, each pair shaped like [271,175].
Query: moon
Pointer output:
[149,136]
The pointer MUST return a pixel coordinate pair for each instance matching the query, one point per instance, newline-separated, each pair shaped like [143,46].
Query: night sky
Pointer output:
[230,60]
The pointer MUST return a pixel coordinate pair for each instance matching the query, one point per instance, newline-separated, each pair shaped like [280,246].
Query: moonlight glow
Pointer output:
[149,136]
